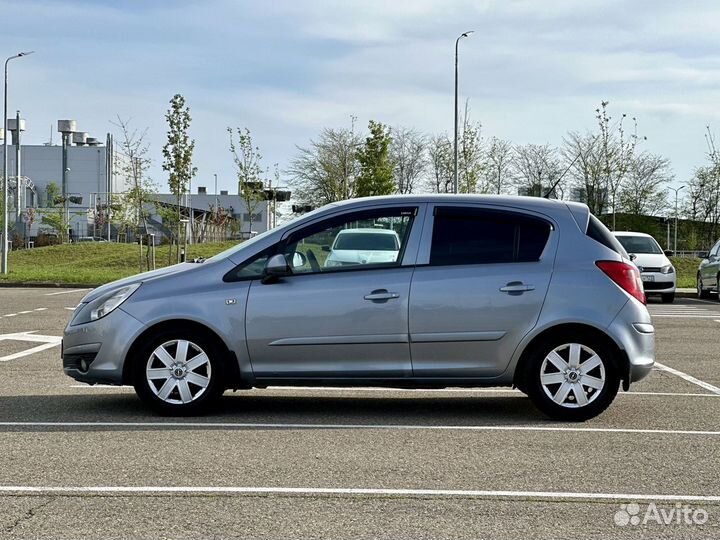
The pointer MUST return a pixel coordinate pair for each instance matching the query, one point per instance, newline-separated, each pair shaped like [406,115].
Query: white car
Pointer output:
[363,246]
[656,270]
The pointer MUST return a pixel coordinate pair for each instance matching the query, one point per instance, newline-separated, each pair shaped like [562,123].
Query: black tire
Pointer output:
[701,293]
[568,411]
[668,298]
[213,370]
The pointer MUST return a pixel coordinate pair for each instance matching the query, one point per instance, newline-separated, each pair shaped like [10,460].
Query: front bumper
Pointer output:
[95,352]
[658,283]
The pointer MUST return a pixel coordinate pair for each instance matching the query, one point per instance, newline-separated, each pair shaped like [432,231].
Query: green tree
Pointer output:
[248,169]
[471,159]
[177,156]
[376,167]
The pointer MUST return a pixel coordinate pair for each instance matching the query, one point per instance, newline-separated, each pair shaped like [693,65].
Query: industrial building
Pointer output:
[85,172]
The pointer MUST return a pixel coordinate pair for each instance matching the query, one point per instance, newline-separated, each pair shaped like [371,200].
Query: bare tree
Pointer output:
[537,169]
[327,170]
[585,170]
[643,192]
[133,163]
[617,151]
[498,170]
[408,152]
[440,154]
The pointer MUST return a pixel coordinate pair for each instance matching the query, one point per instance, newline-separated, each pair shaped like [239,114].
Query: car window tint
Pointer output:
[475,236]
[350,242]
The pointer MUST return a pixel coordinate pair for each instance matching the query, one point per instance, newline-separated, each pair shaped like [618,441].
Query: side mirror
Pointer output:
[326,248]
[669,253]
[277,266]
[632,256]
[703,255]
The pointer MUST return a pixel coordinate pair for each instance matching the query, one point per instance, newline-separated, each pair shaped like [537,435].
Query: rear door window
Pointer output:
[464,235]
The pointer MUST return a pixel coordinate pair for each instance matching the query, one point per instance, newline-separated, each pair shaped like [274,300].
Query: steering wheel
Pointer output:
[314,264]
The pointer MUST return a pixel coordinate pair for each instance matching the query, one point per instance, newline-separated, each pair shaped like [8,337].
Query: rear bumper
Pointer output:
[634,332]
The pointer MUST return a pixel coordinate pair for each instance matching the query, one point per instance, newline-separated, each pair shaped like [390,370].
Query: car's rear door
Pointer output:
[478,288]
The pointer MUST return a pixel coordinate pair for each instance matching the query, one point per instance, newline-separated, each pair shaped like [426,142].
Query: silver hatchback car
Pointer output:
[485,291]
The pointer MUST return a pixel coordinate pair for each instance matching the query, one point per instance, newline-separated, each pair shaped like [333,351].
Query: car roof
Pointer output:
[510,200]
[630,233]
[367,230]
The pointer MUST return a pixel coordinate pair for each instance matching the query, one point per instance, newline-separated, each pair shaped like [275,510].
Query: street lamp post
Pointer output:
[455,170]
[676,190]
[217,200]
[4,259]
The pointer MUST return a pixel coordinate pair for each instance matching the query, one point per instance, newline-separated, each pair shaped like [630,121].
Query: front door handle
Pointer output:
[517,287]
[381,295]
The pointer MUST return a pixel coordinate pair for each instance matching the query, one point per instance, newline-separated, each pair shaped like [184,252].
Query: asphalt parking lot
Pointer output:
[90,462]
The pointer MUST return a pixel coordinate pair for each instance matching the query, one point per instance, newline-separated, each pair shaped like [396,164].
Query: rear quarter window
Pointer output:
[600,233]
[480,236]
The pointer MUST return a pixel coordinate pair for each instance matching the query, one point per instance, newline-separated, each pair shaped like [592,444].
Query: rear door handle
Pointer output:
[381,295]
[517,287]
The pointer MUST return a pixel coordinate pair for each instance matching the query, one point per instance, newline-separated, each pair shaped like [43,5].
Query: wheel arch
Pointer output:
[572,329]
[229,357]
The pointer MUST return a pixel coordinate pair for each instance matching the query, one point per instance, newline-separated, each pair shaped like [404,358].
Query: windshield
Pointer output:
[640,244]
[366,242]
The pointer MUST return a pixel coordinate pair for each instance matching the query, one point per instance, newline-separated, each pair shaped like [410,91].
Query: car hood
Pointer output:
[651,259]
[145,276]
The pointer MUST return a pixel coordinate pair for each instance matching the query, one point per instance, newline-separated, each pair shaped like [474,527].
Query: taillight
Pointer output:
[626,276]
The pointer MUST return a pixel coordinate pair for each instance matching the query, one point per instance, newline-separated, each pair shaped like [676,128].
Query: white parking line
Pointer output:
[48,342]
[238,490]
[65,292]
[408,390]
[389,427]
[688,378]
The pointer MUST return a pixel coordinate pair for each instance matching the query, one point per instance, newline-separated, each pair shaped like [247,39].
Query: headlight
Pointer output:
[104,305]
[667,269]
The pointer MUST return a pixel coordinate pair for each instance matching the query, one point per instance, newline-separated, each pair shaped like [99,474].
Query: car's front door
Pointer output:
[478,289]
[336,317]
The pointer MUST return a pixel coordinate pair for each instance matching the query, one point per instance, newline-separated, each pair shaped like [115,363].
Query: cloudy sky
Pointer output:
[532,71]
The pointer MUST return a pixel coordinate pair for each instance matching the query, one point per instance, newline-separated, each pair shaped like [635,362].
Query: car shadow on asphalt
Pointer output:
[254,408]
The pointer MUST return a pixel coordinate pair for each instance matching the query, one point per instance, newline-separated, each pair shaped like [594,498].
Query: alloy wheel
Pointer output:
[572,375]
[178,372]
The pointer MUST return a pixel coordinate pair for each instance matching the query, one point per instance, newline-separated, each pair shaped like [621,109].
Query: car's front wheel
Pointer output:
[179,373]
[572,379]
[701,291]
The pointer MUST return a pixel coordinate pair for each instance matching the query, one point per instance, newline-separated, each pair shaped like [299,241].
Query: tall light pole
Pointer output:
[4,259]
[676,190]
[217,200]
[455,170]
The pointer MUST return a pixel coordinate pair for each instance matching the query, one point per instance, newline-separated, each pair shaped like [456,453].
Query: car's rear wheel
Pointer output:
[179,373]
[668,298]
[572,379]
[701,292]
